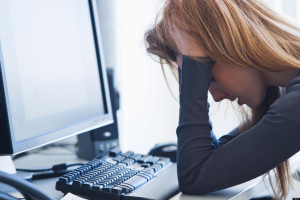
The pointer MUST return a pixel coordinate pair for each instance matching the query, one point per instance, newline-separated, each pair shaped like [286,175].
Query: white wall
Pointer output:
[149,114]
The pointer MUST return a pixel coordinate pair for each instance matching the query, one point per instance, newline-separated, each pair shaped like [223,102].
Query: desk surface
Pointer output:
[51,156]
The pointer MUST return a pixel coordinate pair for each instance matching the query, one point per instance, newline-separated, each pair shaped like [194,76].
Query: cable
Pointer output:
[26,188]
[55,171]
[54,168]
[45,175]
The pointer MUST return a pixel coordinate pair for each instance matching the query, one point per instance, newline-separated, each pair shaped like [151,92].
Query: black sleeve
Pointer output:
[201,167]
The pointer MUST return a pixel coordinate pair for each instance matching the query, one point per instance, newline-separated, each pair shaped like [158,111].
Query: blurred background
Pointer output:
[148,113]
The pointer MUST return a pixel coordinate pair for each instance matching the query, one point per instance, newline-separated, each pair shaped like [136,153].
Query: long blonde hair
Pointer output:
[245,32]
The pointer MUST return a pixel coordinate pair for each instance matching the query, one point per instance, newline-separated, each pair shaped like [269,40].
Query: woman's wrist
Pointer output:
[195,77]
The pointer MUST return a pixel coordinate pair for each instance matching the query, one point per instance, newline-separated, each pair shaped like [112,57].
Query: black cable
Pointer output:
[23,186]
[50,174]
[54,168]
[55,171]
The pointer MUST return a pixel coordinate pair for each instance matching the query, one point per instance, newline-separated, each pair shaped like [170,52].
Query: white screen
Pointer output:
[50,65]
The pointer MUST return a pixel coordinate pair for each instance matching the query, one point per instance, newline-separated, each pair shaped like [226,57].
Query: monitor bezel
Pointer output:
[7,144]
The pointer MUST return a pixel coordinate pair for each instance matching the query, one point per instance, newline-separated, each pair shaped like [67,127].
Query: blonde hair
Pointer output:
[245,32]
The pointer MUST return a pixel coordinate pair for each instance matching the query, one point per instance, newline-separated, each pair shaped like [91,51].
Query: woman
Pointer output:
[236,50]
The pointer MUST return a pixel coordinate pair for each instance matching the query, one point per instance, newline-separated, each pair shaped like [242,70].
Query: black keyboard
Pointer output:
[122,176]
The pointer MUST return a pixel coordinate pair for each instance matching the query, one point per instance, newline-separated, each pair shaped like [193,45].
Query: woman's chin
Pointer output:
[254,105]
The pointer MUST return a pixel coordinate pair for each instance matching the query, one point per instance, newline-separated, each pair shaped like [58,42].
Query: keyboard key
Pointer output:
[94,163]
[164,161]
[102,183]
[108,188]
[131,173]
[156,167]
[145,165]
[153,160]
[106,174]
[109,181]
[135,157]
[128,162]
[119,158]
[135,181]
[87,185]
[126,188]
[115,152]
[83,170]
[117,176]
[73,175]
[117,190]
[63,180]
[104,167]
[70,176]
[98,187]
[116,168]
[77,183]
[148,170]
[122,179]
[122,172]
[146,176]
[111,161]
[128,154]
[144,159]
[139,168]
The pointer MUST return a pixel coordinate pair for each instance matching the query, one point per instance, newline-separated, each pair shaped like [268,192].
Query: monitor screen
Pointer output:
[53,80]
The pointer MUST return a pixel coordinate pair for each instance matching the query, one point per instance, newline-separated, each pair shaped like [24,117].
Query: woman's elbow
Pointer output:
[190,185]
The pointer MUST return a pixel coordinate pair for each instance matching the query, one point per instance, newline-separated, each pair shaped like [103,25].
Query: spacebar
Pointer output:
[135,181]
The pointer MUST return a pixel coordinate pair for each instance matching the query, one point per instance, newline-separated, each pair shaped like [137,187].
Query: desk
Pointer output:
[51,156]
[240,193]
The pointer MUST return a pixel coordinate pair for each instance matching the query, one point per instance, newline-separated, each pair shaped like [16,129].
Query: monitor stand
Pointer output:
[7,165]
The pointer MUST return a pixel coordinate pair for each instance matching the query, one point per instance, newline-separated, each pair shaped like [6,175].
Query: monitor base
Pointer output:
[7,165]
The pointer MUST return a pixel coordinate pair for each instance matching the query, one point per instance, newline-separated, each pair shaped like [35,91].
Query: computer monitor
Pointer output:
[53,80]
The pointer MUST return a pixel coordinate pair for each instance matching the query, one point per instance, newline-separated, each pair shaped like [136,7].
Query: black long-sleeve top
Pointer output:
[202,166]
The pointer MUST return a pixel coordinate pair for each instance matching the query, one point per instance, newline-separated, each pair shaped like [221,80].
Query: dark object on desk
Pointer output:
[100,141]
[28,190]
[54,168]
[123,176]
[263,198]
[168,150]
[55,171]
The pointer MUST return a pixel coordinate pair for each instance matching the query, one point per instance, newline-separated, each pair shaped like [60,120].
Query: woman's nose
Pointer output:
[216,93]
